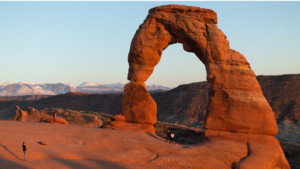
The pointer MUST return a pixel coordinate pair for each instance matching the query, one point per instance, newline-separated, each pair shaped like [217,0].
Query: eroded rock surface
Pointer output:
[117,122]
[263,152]
[30,114]
[50,119]
[237,110]
[236,102]
[138,105]
[86,118]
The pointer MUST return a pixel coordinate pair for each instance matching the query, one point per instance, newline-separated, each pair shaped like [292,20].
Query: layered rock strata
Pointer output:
[236,105]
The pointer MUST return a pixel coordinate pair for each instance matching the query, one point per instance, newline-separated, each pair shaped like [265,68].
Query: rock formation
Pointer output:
[237,109]
[64,116]
[117,122]
[50,119]
[30,114]
[137,99]
[234,87]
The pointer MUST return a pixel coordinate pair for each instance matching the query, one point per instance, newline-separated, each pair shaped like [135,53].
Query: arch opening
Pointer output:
[177,67]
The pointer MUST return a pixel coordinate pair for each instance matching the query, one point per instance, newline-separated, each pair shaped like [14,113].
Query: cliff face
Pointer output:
[185,104]
[283,95]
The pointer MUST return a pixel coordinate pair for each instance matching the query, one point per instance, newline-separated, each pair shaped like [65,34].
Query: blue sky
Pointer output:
[73,42]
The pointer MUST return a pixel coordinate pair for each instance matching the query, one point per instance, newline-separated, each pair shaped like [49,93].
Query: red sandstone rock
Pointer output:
[29,115]
[239,137]
[118,117]
[20,115]
[236,102]
[138,105]
[50,119]
[263,156]
[117,122]
[264,152]
[141,127]
[42,143]
[112,124]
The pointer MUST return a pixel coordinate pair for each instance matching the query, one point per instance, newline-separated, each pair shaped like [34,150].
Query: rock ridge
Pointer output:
[207,14]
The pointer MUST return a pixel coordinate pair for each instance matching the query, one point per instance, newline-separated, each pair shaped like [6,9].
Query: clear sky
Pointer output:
[73,42]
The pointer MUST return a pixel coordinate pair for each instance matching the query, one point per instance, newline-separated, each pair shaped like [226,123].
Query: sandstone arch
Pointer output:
[237,113]
[236,102]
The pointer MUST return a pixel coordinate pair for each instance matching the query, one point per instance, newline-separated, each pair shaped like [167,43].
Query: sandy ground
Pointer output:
[71,164]
[83,147]
[72,146]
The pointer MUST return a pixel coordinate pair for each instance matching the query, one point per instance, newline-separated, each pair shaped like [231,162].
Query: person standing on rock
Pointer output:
[54,116]
[168,138]
[24,150]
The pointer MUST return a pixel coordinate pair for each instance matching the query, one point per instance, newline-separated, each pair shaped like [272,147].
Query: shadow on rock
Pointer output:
[17,157]
[76,164]
[5,163]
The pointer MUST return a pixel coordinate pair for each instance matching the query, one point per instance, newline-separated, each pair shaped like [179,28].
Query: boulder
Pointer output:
[31,114]
[140,127]
[20,114]
[117,122]
[50,119]
[42,143]
[138,105]
[117,117]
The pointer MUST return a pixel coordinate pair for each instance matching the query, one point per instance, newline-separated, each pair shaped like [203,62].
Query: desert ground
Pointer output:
[74,146]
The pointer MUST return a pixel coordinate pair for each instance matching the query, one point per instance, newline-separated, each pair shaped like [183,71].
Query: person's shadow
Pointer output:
[17,157]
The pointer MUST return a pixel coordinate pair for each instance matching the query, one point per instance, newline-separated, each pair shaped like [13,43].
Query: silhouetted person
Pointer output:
[168,139]
[54,116]
[24,150]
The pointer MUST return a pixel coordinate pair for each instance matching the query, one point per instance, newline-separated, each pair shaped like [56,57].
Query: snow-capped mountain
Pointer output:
[88,84]
[6,83]
[58,88]
[17,89]
[29,88]
[121,85]
[156,87]
[28,83]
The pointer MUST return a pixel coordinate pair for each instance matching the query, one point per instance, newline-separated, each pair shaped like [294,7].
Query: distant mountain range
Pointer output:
[28,88]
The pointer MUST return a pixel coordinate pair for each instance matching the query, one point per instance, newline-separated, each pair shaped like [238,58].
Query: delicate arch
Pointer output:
[235,103]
